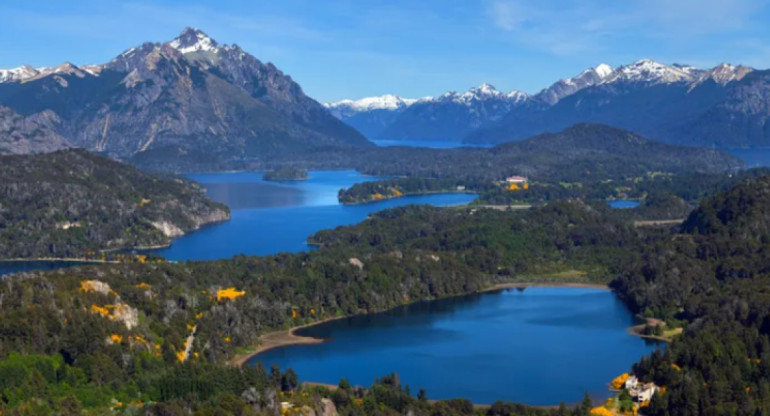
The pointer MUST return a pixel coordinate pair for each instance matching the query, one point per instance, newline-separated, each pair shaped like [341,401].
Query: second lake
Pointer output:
[273,217]
[537,346]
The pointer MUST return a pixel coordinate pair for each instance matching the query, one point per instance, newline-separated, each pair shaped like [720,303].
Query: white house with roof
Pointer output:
[646,392]
[516,179]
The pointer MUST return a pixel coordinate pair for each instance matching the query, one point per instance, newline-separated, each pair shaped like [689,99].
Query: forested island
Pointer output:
[158,337]
[285,173]
[73,204]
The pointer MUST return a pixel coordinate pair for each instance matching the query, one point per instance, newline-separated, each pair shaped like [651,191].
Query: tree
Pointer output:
[586,405]
[275,375]
[289,380]
[422,395]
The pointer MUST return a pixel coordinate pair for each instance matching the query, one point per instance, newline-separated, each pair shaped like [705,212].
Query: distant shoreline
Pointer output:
[287,337]
[524,285]
[405,194]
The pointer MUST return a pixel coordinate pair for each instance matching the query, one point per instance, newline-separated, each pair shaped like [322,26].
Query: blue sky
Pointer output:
[354,48]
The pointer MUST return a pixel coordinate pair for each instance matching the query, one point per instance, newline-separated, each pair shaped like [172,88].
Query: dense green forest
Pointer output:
[70,203]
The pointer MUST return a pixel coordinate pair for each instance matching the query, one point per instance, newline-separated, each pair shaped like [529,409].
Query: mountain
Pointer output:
[67,203]
[453,114]
[370,115]
[723,106]
[187,99]
[569,86]
[31,134]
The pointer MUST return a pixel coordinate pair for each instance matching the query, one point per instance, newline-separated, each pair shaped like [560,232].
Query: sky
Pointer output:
[339,49]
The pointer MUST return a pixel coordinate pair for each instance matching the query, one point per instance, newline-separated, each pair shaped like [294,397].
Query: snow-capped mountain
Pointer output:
[727,105]
[349,108]
[616,96]
[569,86]
[452,115]
[483,92]
[384,116]
[649,71]
[189,99]
[27,73]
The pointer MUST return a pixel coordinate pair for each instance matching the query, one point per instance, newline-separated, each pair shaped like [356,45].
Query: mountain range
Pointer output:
[184,99]
[727,105]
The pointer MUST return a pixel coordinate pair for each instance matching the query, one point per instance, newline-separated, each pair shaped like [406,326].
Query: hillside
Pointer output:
[711,276]
[187,101]
[70,202]
[587,151]
[32,134]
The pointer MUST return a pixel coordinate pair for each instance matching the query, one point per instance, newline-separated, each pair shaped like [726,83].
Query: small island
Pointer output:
[285,173]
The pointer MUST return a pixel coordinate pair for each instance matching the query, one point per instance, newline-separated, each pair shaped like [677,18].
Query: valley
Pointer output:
[185,231]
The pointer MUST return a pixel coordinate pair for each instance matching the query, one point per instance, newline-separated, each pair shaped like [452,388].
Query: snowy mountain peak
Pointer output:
[193,40]
[347,108]
[485,89]
[649,71]
[21,73]
[603,70]
[723,74]
[569,86]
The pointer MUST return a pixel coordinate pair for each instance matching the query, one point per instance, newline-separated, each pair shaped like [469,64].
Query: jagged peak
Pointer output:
[193,40]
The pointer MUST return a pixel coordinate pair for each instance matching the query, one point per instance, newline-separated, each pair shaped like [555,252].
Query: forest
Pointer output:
[71,203]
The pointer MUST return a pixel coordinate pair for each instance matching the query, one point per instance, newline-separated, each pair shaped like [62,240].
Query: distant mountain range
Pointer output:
[184,99]
[449,116]
[723,106]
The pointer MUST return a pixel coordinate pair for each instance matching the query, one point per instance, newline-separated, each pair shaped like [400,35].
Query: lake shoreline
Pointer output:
[283,338]
[406,194]
[287,337]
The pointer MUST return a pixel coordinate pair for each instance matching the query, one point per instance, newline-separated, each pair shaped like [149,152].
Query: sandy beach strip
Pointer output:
[281,338]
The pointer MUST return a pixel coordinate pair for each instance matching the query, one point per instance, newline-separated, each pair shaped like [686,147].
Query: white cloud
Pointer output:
[507,15]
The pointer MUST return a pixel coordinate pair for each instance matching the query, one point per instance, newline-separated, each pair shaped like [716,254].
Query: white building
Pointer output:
[516,179]
[646,392]
[631,383]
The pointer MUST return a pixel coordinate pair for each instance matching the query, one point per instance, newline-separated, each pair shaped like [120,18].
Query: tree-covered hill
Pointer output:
[590,160]
[68,203]
[713,276]
[580,151]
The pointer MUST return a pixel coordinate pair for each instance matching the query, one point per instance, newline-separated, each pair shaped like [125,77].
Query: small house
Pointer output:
[516,179]
[646,392]
[631,383]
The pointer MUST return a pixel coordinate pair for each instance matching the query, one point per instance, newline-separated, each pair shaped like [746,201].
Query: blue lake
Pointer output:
[538,346]
[273,217]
